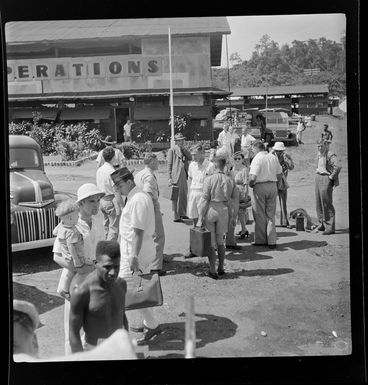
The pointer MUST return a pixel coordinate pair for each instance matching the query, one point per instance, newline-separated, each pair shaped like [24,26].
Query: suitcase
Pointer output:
[171,193]
[299,224]
[200,241]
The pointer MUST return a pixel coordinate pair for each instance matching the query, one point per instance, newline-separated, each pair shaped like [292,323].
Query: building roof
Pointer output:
[281,90]
[92,95]
[27,36]
[43,31]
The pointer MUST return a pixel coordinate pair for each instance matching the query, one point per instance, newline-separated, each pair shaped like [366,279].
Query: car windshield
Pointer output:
[23,158]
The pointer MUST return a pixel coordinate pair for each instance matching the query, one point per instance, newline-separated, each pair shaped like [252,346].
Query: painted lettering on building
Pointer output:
[82,68]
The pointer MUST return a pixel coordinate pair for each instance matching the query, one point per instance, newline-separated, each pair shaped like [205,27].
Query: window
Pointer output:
[23,158]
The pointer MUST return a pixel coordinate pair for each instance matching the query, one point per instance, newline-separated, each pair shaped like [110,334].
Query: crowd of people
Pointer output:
[115,227]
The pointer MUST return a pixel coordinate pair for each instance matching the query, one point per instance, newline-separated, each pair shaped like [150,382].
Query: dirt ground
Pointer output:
[283,302]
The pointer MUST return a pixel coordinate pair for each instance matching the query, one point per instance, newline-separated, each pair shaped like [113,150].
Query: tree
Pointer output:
[235,59]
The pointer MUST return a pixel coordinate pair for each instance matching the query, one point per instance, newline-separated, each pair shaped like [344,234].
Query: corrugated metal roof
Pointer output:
[33,31]
[280,90]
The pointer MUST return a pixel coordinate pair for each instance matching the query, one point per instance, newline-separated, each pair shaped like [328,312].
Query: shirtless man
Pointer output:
[97,305]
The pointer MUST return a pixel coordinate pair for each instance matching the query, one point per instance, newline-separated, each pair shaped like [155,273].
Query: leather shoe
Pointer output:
[178,220]
[272,246]
[233,247]
[212,275]
[184,217]
[221,272]
[189,255]
[328,232]
[148,335]
[258,244]
[161,273]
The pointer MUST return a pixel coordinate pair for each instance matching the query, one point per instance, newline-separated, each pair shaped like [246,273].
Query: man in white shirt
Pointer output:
[111,203]
[119,158]
[127,131]
[199,169]
[299,131]
[224,139]
[147,182]
[137,247]
[265,172]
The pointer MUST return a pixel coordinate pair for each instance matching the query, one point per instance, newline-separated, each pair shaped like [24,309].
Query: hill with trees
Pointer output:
[273,65]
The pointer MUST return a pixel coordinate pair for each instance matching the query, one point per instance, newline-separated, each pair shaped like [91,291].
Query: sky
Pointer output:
[246,31]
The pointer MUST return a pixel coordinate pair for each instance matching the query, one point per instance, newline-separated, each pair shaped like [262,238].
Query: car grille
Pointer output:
[33,225]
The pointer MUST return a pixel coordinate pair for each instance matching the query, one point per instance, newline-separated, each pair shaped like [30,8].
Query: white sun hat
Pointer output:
[279,146]
[88,190]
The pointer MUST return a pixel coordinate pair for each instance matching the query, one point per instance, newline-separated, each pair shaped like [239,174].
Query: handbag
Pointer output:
[143,290]
[283,183]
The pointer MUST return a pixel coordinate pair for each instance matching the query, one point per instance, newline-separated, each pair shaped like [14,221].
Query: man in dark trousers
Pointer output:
[97,305]
[178,159]
[327,178]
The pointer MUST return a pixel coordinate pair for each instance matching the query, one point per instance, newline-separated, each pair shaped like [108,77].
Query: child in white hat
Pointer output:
[71,241]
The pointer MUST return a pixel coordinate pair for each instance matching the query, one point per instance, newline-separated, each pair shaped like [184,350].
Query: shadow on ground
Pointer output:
[43,301]
[209,329]
[33,261]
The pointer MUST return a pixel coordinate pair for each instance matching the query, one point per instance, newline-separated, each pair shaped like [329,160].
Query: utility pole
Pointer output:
[171,94]
[228,76]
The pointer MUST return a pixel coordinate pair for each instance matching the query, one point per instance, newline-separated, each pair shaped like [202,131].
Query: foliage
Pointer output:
[130,150]
[181,123]
[71,141]
[285,65]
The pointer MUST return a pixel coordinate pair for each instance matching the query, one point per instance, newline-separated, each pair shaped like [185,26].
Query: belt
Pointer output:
[109,197]
[323,174]
[266,181]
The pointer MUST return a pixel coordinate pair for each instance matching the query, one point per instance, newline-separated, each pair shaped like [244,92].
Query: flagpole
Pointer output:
[171,93]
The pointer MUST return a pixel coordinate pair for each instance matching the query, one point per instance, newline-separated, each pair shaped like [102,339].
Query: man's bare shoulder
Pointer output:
[121,284]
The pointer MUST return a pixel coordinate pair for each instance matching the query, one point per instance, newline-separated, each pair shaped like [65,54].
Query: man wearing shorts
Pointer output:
[218,192]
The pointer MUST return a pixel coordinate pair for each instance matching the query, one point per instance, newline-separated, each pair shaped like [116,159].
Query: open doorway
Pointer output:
[122,115]
[295,105]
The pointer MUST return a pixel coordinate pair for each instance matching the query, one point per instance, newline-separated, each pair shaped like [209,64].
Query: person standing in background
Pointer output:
[299,131]
[119,158]
[127,131]
[234,139]
[111,203]
[286,164]
[218,194]
[224,139]
[241,175]
[326,133]
[178,159]
[265,172]
[327,177]
[199,169]
[246,143]
[146,180]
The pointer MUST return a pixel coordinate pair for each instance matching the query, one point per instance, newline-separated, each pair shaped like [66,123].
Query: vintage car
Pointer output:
[32,197]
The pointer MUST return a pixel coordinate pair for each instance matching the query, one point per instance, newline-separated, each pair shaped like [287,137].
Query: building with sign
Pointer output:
[302,99]
[108,71]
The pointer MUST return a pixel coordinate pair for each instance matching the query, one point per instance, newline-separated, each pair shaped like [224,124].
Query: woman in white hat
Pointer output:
[90,225]
[287,164]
